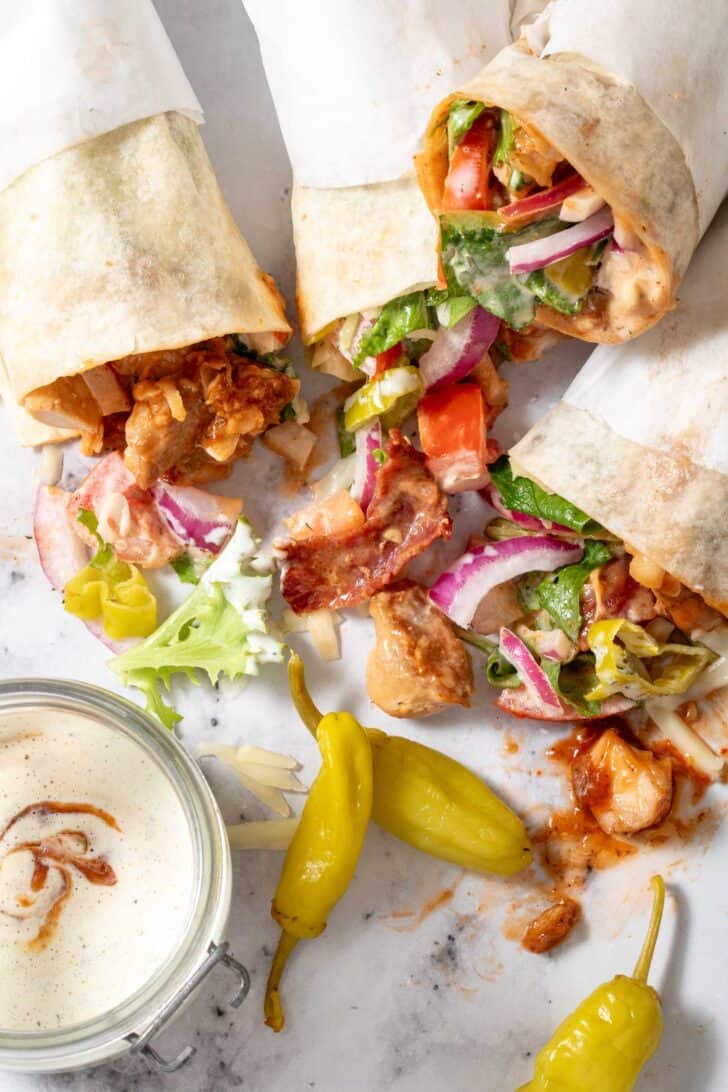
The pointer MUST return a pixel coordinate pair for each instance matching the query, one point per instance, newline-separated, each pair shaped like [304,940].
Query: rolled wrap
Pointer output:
[640,439]
[616,89]
[114,236]
[353,85]
[123,244]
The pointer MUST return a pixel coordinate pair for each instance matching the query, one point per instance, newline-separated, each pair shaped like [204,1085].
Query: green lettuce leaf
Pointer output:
[473,250]
[506,139]
[184,566]
[396,320]
[500,671]
[221,629]
[462,114]
[523,495]
[573,680]
[559,593]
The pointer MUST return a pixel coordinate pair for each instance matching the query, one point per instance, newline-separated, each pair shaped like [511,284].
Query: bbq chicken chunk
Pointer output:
[625,788]
[419,665]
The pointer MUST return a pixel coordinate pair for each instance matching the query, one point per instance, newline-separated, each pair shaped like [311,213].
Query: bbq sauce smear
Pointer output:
[60,854]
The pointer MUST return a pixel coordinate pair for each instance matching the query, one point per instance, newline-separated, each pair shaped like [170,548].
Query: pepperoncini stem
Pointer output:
[642,967]
[273,1009]
[307,711]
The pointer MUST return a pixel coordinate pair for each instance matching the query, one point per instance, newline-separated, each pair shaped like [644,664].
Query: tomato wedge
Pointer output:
[452,431]
[467,182]
[390,358]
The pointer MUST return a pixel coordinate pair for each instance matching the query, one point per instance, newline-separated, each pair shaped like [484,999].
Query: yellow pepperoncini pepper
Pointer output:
[431,801]
[604,1044]
[670,668]
[325,849]
[115,592]
[392,396]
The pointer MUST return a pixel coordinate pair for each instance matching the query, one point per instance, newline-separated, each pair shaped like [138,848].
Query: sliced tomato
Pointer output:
[467,182]
[390,358]
[453,435]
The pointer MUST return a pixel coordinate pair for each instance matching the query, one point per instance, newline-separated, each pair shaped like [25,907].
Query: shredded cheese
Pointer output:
[50,465]
[691,746]
[262,834]
[321,627]
[265,774]
[291,441]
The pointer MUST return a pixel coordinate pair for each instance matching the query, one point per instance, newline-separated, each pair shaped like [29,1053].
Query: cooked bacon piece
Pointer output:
[625,788]
[407,512]
[552,926]
[419,665]
[128,518]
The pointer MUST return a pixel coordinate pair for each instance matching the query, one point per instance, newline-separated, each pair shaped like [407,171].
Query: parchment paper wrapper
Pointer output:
[114,235]
[640,439]
[353,84]
[634,96]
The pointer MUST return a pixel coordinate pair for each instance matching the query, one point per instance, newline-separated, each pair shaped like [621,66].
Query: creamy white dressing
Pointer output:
[93,899]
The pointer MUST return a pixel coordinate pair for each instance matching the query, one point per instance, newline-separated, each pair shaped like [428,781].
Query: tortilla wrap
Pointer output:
[640,442]
[359,247]
[353,85]
[121,245]
[609,134]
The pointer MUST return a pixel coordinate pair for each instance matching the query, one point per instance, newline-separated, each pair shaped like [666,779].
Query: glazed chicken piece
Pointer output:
[189,424]
[552,926]
[624,788]
[419,665]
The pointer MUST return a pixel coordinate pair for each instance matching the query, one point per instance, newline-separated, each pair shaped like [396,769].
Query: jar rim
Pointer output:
[104,1035]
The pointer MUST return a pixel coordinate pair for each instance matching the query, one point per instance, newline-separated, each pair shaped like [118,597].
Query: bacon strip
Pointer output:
[407,512]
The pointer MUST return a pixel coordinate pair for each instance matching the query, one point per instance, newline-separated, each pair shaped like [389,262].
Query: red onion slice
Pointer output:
[459,590]
[520,702]
[527,257]
[541,202]
[368,440]
[197,518]
[492,495]
[62,554]
[529,670]
[456,351]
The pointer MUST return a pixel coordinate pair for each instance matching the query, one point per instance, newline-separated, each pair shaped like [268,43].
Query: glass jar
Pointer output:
[131,1026]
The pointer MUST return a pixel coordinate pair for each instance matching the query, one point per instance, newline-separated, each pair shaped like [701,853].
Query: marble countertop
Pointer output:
[415,985]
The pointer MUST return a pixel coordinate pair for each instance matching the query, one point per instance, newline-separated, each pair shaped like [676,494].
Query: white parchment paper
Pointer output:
[669,389]
[674,53]
[354,81]
[70,71]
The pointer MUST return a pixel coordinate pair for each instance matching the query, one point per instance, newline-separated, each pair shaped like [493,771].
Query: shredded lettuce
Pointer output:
[221,629]
[396,320]
[184,566]
[500,672]
[449,308]
[463,113]
[572,680]
[347,440]
[559,593]
[523,495]
[473,250]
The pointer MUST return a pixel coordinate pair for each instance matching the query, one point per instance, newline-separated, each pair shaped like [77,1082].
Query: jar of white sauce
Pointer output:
[114,879]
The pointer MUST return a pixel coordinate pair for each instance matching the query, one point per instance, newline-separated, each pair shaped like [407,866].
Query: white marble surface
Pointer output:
[380,1001]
